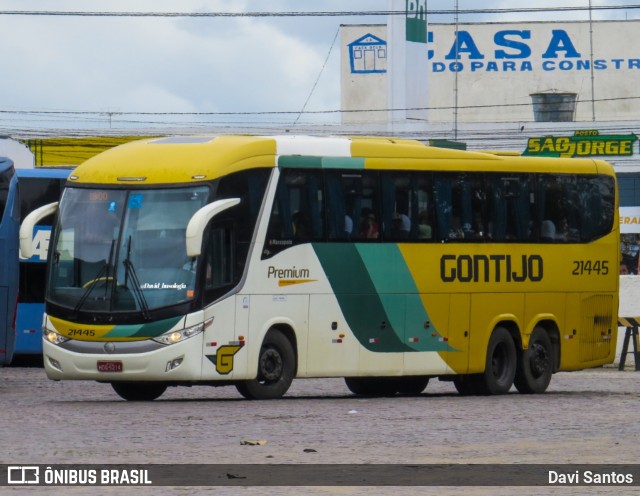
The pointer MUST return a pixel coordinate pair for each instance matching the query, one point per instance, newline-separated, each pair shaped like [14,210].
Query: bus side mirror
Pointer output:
[29,222]
[199,221]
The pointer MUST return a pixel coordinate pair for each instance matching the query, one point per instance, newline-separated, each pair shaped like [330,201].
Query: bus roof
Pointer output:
[45,172]
[187,159]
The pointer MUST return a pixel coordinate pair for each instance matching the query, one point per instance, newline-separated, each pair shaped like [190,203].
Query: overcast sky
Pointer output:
[168,64]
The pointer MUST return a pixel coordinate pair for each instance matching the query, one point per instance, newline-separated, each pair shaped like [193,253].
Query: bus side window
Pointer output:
[297,213]
[219,272]
[597,198]
[510,207]
[454,206]
[397,206]
[559,203]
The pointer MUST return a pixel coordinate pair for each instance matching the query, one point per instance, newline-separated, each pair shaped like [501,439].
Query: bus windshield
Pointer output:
[123,251]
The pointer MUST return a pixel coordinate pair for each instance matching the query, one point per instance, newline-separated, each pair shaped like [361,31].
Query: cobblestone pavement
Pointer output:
[585,417]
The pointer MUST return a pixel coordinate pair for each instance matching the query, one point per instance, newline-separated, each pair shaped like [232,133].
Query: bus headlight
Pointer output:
[53,337]
[173,337]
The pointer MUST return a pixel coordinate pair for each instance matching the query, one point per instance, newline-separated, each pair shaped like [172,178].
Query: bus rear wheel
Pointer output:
[276,368]
[139,391]
[535,364]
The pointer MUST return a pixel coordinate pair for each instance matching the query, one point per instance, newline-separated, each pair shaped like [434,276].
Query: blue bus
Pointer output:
[9,226]
[37,187]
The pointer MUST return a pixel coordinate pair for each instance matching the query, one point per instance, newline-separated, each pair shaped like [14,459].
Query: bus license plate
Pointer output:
[109,366]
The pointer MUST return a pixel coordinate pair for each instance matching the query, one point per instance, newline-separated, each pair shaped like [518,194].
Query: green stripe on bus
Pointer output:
[359,301]
[399,295]
[378,297]
[305,162]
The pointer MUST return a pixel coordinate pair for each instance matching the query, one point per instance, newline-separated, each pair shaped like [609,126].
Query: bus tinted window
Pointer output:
[353,205]
[230,234]
[29,291]
[596,197]
[297,212]
[412,206]
[38,191]
[510,209]
[400,206]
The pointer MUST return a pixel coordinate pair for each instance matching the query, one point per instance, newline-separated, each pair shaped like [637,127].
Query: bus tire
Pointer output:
[467,385]
[535,364]
[372,386]
[412,386]
[276,368]
[139,391]
[500,367]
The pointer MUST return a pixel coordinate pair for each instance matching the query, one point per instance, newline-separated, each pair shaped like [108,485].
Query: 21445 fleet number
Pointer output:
[598,267]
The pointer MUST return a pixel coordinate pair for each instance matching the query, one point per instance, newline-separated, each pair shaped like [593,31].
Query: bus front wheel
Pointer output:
[139,391]
[276,368]
[535,364]
[500,368]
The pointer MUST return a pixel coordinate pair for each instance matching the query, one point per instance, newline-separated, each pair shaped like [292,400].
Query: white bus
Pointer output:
[253,260]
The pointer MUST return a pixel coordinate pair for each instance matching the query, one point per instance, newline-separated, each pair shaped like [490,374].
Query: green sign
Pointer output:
[582,144]
[416,21]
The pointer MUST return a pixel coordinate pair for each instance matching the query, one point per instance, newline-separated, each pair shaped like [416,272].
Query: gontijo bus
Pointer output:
[253,260]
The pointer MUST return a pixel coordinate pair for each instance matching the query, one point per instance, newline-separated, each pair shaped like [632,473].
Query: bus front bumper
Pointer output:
[177,362]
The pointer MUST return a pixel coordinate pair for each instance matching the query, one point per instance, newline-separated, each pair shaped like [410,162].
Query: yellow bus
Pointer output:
[250,261]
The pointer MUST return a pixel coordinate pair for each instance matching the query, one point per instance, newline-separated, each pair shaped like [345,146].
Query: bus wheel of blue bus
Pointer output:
[412,386]
[500,368]
[139,391]
[535,365]
[276,368]
[372,386]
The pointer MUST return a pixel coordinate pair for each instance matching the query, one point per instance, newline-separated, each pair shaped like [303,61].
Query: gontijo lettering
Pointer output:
[491,268]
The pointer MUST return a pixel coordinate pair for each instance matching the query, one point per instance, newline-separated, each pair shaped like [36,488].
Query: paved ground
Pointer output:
[585,417]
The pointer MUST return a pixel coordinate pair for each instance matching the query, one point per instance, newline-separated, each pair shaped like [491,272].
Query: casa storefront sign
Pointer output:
[582,144]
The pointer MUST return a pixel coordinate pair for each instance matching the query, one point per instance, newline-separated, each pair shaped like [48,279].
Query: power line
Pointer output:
[318,78]
[282,112]
[345,13]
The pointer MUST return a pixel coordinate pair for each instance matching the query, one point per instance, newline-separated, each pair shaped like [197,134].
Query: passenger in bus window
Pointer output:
[562,233]
[400,226]
[424,226]
[348,226]
[456,231]
[548,231]
[300,226]
[368,225]
[478,231]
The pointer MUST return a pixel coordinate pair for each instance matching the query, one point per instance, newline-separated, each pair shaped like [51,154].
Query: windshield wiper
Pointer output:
[102,275]
[138,294]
